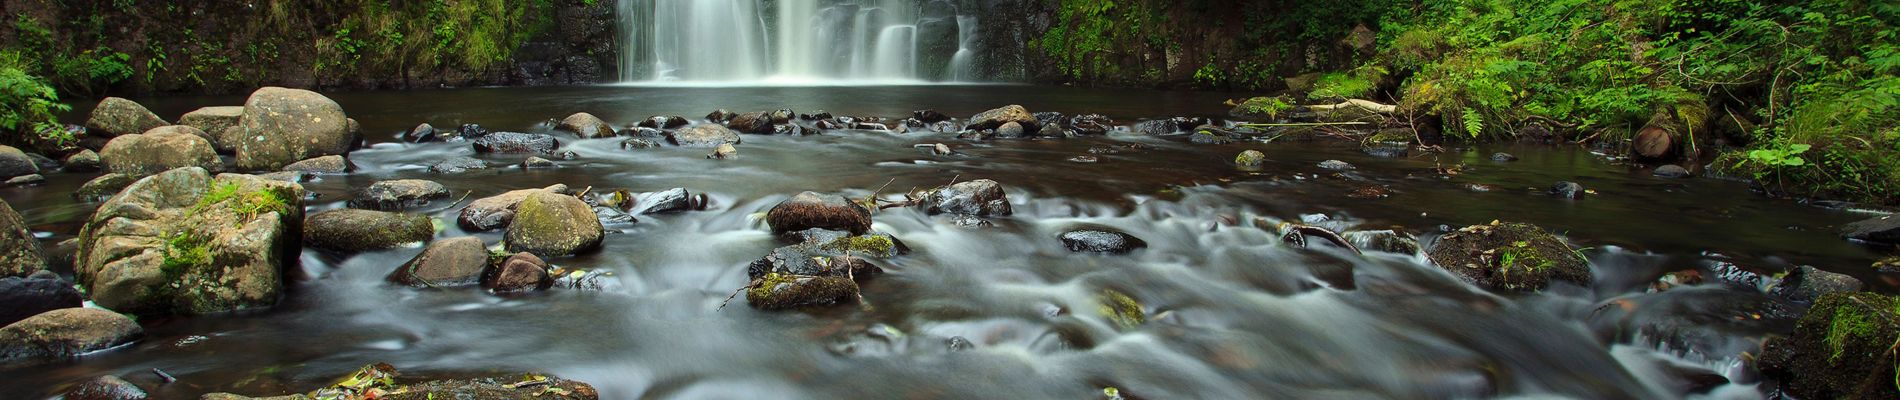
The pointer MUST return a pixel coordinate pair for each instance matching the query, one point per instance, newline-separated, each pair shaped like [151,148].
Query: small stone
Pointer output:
[1250,158]
[1671,171]
[724,151]
[1336,165]
[456,165]
[1084,159]
[1569,190]
[537,162]
[1101,241]
[420,134]
[982,197]
[26,180]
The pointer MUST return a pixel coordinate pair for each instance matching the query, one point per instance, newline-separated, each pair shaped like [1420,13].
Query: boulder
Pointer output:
[982,197]
[1010,130]
[458,164]
[65,334]
[516,143]
[724,151]
[450,262]
[14,162]
[19,250]
[398,194]
[639,143]
[810,260]
[720,116]
[185,242]
[777,291]
[1882,230]
[106,388]
[810,210]
[423,133]
[322,165]
[752,122]
[1101,240]
[663,122]
[497,211]
[704,136]
[585,125]
[521,272]
[549,224]
[1568,190]
[670,200]
[83,161]
[158,150]
[1842,349]
[1806,284]
[993,119]
[783,116]
[216,123]
[23,297]
[352,230]
[537,163]
[114,117]
[281,126]
[103,187]
[1509,257]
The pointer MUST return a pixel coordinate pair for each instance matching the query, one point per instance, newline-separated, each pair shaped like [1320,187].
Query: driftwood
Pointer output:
[1367,105]
[1296,235]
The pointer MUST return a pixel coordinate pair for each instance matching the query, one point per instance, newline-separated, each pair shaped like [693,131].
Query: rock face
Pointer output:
[114,117]
[281,126]
[14,162]
[704,136]
[64,334]
[1509,256]
[980,197]
[445,263]
[23,297]
[183,242]
[1101,241]
[585,125]
[516,143]
[1842,349]
[398,194]
[521,272]
[19,251]
[360,230]
[322,165]
[495,212]
[217,123]
[552,225]
[993,119]
[811,210]
[1884,229]
[159,150]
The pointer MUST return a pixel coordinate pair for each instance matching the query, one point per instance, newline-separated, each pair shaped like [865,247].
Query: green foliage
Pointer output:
[247,204]
[28,104]
[1087,37]
[1341,85]
[1788,155]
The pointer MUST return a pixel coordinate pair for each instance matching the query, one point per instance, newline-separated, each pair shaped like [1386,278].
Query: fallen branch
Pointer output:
[1305,124]
[1368,105]
[1296,234]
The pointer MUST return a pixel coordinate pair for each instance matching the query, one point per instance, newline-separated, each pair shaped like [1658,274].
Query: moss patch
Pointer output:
[1124,311]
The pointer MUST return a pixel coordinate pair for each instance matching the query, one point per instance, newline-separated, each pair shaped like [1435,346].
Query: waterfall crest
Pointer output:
[795,41]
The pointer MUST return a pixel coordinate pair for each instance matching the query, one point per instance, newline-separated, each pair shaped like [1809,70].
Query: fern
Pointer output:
[1474,122]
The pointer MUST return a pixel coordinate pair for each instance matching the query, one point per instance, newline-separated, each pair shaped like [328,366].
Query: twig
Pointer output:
[735,294]
[451,206]
[164,377]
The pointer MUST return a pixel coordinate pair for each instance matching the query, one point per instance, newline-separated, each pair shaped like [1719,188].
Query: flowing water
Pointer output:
[794,41]
[1006,312]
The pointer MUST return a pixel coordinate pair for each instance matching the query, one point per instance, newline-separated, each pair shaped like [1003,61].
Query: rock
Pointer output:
[83,161]
[704,136]
[1155,127]
[184,242]
[1211,135]
[398,194]
[521,272]
[158,150]
[1883,230]
[993,119]
[663,122]
[281,126]
[639,143]
[1503,157]
[1101,240]
[516,143]
[783,292]
[825,241]
[724,151]
[1671,171]
[1250,158]
[445,263]
[980,197]
[353,230]
[811,260]
[423,133]
[1336,165]
[456,165]
[380,381]
[1806,284]
[1091,124]
[670,200]
[783,116]
[498,211]
[552,225]
[322,165]
[470,132]
[970,221]
[815,116]
[1509,256]
[1052,131]
[1568,190]
[1010,130]
[1084,159]
[23,297]
[720,116]
[1842,349]
[216,123]
[14,162]
[929,116]
[98,189]
[752,122]
[537,162]
[65,334]
[810,210]
[106,388]
[26,180]
[585,125]
[1888,265]
[114,117]
[1389,241]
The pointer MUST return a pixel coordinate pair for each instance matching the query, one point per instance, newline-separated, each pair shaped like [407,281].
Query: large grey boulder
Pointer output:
[282,126]
[116,116]
[549,224]
[216,122]
[160,149]
[65,334]
[585,125]
[993,119]
[14,162]
[704,136]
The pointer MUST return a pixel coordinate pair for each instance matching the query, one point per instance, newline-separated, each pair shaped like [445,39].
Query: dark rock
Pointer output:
[158,150]
[1389,241]
[1806,284]
[1049,118]
[537,162]
[1503,157]
[471,132]
[810,260]
[669,201]
[1091,124]
[639,143]
[423,133]
[521,272]
[783,116]
[1337,165]
[970,221]
[1883,229]
[183,242]
[720,116]
[281,126]
[1842,349]
[398,194]
[1739,277]
[929,116]
[810,210]
[753,122]
[23,297]
[1052,131]
[322,165]
[1381,150]
[1569,190]
[1671,171]
[646,133]
[458,164]
[65,334]
[84,161]
[993,119]
[870,126]
[445,263]
[705,136]
[1509,256]
[1888,265]
[980,197]
[14,162]
[816,116]
[1480,188]
[663,122]
[26,180]
[1209,135]
[361,230]
[1010,130]
[1101,241]
[552,225]
[490,213]
[114,117]
[585,125]
[106,388]
[516,143]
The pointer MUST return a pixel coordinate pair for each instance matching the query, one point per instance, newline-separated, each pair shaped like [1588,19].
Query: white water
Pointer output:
[741,42]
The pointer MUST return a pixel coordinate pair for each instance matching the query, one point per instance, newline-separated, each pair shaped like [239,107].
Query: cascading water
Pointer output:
[795,41]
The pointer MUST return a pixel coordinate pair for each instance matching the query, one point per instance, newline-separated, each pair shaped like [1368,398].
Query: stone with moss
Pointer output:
[495,212]
[776,291]
[1262,108]
[875,244]
[1509,257]
[183,242]
[553,225]
[158,150]
[813,210]
[65,334]
[114,117]
[103,187]
[363,230]
[1250,158]
[19,250]
[1842,349]
[1120,309]
[383,381]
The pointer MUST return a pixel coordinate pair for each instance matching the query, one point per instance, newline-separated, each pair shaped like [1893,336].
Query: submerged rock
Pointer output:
[158,150]
[982,197]
[1671,171]
[704,136]
[19,250]
[65,334]
[1842,349]
[585,125]
[115,117]
[1503,157]
[352,230]
[1509,256]
[811,210]
[1568,190]
[516,143]
[281,126]
[521,272]
[552,225]
[445,263]
[497,211]
[1101,240]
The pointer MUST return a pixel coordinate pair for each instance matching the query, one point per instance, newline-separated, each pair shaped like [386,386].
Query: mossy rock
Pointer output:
[880,245]
[1509,257]
[1250,158]
[381,381]
[776,291]
[1842,349]
[1262,108]
[549,224]
[19,250]
[362,230]
[65,334]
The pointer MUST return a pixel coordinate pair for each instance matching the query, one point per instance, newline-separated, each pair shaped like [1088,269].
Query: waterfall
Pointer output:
[796,41]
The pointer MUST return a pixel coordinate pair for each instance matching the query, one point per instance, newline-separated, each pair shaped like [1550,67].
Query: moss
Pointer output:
[184,251]
[767,285]
[1124,311]
[1850,325]
[247,204]
[870,245]
[1250,158]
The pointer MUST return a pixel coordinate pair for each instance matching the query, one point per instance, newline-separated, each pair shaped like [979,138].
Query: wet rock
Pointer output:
[98,189]
[1883,230]
[720,116]
[353,230]
[469,132]
[982,197]
[811,210]
[1382,150]
[870,126]
[14,162]
[497,211]
[516,143]
[993,119]
[815,116]
[704,136]
[752,122]
[670,201]
[929,116]
[216,123]
[1568,190]
[423,133]
[187,243]
[1671,171]
[875,244]
[381,381]
[1250,158]
[1052,131]
[1101,240]
[521,272]
[1842,349]
[724,151]
[281,126]
[810,260]
[26,180]
[553,225]
[158,150]
[84,161]
[26,296]
[1503,157]
[970,221]
[783,292]
[1337,165]
[783,116]
[398,194]
[1509,256]
[322,165]
[456,165]
[827,125]
[1806,284]
[1157,127]
[1091,124]
[65,334]
[106,388]
[1010,130]
[114,117]
[1085,159]
[585,125]
[445,263]
[1389,241]
[1888,265]
[663,122]
[639,143]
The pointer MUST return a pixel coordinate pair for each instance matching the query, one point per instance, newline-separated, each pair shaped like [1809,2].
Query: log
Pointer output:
[1367,105]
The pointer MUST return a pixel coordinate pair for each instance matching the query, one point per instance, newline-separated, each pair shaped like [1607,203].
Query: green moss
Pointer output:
[868,244]
[1849,325]
[184,251]
[1124,311]
[1270,107]
[246,204]
[762,290]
